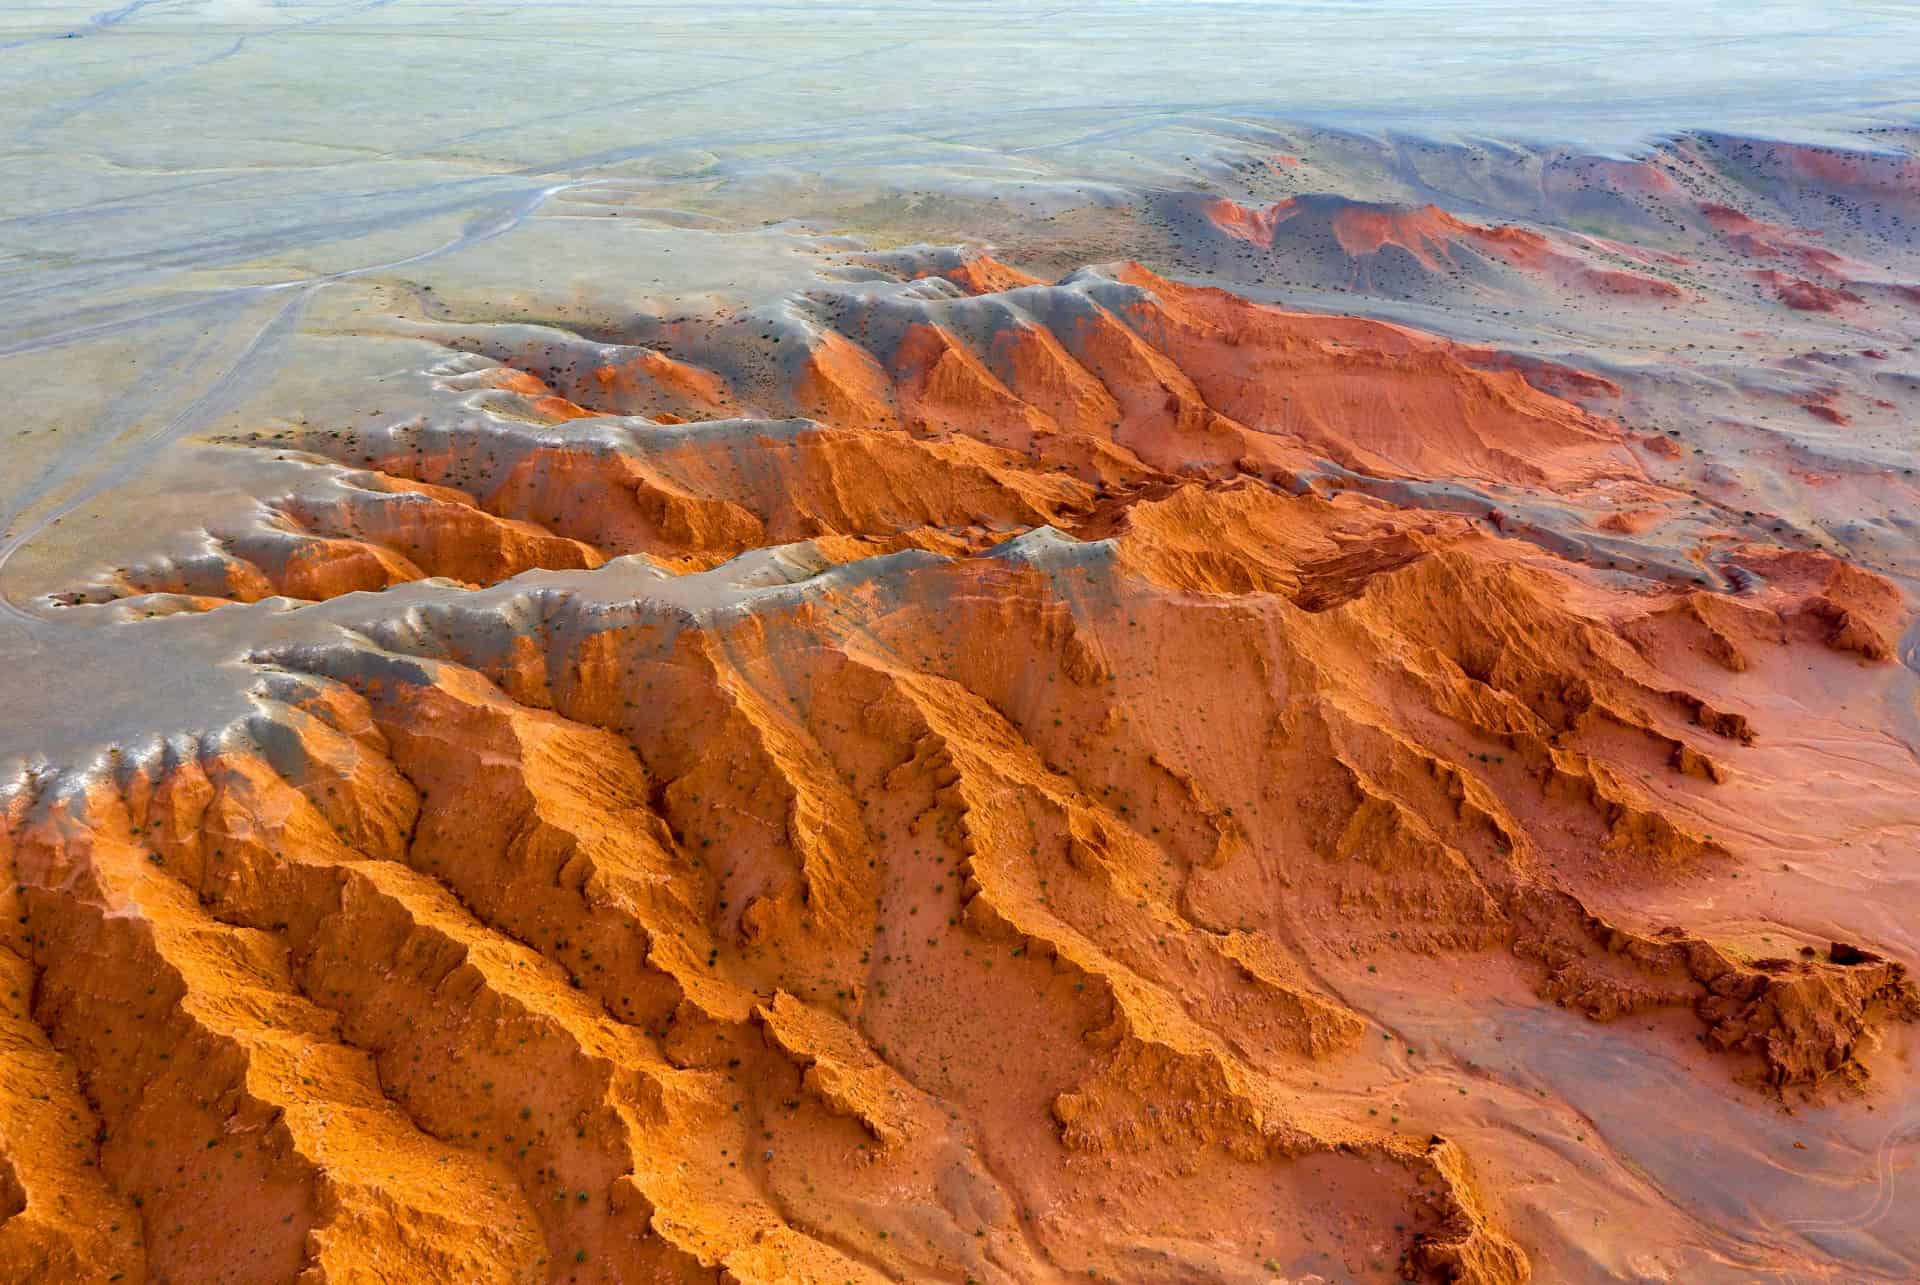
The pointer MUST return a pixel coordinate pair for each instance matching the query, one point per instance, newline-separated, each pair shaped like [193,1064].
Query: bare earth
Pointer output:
[1165,694]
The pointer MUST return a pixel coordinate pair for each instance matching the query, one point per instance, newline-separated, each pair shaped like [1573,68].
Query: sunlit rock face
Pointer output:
[1178,700]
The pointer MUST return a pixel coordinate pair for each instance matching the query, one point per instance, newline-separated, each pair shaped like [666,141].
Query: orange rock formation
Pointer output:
[959,885]
[1436,241]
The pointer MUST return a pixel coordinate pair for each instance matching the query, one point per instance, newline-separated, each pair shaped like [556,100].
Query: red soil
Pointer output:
[1431,236]
[973,914]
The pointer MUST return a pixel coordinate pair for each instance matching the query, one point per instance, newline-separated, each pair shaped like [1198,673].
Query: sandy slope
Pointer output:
[957,777]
